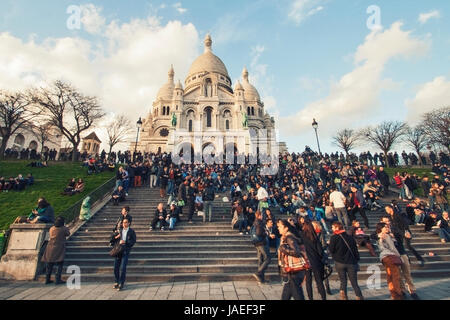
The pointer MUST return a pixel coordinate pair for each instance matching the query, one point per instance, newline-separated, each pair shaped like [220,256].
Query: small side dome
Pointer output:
[178,86]
[250,92]
[166,91]
[238,86]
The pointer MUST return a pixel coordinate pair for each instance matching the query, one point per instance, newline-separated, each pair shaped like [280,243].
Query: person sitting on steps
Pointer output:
[159,220]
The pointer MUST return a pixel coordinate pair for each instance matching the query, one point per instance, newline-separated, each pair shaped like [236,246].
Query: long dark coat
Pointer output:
[56,247]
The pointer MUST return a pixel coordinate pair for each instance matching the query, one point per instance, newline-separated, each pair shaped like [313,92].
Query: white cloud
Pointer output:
[424,17]
[179,8]
[91,18]
[429,96]
[125,68]
[302,9]
[354,98]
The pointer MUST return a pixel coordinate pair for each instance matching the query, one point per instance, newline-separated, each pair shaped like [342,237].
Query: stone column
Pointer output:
[22,258]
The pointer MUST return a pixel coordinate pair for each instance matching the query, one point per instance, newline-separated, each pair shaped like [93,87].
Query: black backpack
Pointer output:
[255,239]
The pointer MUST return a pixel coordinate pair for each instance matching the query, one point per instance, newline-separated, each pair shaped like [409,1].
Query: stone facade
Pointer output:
[207,112]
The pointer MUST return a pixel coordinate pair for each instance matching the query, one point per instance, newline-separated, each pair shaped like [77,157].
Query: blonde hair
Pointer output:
[317,225]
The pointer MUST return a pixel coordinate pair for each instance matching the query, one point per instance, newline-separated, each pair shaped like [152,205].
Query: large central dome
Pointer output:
[208,62]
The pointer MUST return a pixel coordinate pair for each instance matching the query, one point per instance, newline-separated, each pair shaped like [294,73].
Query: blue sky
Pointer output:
[301,55]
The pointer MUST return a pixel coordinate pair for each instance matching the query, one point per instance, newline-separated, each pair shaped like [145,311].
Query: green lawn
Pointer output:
[49,183]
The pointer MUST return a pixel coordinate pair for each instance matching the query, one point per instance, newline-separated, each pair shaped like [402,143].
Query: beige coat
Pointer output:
[56,247]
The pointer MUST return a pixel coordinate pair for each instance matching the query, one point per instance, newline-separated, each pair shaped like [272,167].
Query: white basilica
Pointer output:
[208,112]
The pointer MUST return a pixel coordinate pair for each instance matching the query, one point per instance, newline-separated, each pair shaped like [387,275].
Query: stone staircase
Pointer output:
[205,252]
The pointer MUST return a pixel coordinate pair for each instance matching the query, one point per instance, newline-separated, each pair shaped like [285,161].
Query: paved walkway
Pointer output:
[435,289]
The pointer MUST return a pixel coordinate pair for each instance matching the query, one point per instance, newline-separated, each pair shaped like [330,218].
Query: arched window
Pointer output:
[227,124]
[208,88]
[208,117]
[190,125]
[168,111]
[253,111]
[164,111]
[19,140]
[248,110]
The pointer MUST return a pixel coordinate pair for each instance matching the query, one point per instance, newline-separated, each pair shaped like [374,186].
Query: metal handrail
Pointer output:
[73,212]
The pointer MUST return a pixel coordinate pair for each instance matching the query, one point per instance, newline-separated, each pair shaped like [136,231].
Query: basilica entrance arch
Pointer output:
[185,152]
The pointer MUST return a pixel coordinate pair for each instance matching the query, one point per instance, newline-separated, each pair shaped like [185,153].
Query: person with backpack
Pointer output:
[291,247]
[153,174]
[258,237]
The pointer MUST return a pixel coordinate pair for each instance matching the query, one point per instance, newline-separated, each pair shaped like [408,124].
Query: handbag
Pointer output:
[393,259]
[117,250]
[293,264]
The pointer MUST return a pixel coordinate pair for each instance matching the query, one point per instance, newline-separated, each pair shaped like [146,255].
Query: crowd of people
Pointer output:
[322,196]
[18,183]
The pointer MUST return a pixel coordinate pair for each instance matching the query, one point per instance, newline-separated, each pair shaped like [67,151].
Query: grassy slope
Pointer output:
[49,183]
[421,172]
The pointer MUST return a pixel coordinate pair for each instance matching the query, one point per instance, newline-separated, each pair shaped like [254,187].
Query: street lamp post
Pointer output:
[315,125]
[138,125]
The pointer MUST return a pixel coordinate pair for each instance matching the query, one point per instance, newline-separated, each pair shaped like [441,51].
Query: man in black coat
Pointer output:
[399,222]
[384,180]
[126,237]
[191,192]
[208,199]
[262,249]
[125,214]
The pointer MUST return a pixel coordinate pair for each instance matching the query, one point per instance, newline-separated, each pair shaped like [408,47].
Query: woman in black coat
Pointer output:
[290,246]
[316,256]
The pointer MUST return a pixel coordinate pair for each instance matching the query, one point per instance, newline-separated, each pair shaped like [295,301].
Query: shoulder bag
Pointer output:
[358,268]
[117,250]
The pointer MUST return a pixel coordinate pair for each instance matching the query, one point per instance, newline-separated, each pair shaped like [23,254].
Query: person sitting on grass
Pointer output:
[79,186]
[10,184]
[20,183]
[30,179]
[68,191]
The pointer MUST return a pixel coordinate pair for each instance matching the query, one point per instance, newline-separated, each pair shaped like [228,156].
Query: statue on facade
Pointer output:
[245,120]
[174,120]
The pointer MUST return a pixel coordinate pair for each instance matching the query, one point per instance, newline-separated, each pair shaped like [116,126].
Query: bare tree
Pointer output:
[44,133]
[385,135]
[415,137]
[346,139]
[119,130]
[436,126]
[15,114]
[68,110]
